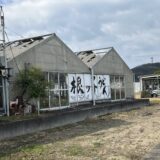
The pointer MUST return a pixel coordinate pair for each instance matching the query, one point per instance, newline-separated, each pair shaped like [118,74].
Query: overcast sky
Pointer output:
[132,27]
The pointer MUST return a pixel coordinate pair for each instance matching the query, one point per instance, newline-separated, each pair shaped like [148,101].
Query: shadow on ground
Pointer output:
[91,126]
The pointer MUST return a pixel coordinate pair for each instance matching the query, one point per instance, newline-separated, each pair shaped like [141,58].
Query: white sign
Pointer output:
[88,87]
[72,82]
[80,87]
[102,87]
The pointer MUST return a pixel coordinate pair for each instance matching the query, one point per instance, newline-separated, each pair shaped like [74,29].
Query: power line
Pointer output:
[12,52]
[14,32]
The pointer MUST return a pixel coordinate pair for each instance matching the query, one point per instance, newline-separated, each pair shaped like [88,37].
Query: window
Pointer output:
[57,93]
[54,98]
[117,87]
[113,94]
[122,93]
[53,80]
[64,97]
[118,93]
[62,79]
[122,81]
[44,102]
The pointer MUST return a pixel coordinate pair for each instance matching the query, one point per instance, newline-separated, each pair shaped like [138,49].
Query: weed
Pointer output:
[97,144]
[74,150]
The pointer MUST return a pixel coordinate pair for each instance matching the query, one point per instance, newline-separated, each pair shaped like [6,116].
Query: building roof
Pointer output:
[15,48]
[150,76]
[91,57]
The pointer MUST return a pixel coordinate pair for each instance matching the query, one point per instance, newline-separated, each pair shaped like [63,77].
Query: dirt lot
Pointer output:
[119,136]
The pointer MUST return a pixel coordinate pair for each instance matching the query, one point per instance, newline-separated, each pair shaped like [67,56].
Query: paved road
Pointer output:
[154,154]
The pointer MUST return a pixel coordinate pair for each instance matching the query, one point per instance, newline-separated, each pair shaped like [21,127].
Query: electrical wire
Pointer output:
[12,53]
[14,32]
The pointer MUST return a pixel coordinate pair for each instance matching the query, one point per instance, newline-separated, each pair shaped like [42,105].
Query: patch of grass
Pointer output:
[5,119]
[154,100]
[36,149]
[97,144]
[23,151]
[74,150]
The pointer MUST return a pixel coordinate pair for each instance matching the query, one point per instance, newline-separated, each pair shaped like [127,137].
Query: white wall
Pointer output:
[137,87]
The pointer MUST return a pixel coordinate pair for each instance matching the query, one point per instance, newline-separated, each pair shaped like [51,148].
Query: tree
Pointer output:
[31,83]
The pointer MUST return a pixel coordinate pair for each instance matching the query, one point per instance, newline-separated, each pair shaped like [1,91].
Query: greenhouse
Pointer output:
[83,77]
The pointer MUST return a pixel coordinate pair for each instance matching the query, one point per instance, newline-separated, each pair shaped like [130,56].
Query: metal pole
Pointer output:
[38,106]
[157,82]
[4,97]
[125,86]
[49,94]
[92,83]
[76,88]
[3,79]
[6,84]
[59,90]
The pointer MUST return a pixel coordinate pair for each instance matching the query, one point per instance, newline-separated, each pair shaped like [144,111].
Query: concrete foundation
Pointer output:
[61,118]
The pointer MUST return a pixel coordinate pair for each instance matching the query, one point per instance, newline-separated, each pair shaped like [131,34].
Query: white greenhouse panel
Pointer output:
[88,87]
[102,87]
[80,88]
[72,88]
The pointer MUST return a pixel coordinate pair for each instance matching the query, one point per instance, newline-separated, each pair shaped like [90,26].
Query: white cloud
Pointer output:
[109,27]
[131,26]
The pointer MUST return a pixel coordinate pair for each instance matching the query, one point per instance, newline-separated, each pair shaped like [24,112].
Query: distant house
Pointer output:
[145,69]
[148,83]
[97,75]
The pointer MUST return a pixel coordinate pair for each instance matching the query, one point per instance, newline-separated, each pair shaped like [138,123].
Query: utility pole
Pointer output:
[152,60]
[4,78]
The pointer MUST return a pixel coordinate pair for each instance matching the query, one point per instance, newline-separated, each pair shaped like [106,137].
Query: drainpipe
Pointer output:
[92,83]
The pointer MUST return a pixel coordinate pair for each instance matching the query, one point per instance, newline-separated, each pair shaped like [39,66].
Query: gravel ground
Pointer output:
[119,136]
